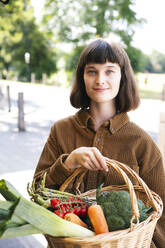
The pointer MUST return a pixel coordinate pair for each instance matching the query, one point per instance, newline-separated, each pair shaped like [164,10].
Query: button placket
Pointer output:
[99,139]
[98,142]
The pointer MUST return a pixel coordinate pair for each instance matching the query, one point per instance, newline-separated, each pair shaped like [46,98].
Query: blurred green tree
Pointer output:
[154,62]
[42,56]
[20,34]
[158,61]
[148,67]
[137,58]
[77,22]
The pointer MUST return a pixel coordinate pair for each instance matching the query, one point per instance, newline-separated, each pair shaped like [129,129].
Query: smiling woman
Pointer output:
[102,82]
[99,53]
[104,90]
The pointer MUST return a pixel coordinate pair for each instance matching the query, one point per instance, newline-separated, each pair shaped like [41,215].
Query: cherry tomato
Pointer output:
[62,208]
[71,198]
[77,210]
[68,208]
[83,212]
[59,213]
[54,202]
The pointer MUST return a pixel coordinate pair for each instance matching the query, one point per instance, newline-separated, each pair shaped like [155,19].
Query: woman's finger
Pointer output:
[94,161]
[100,159]
[89,162]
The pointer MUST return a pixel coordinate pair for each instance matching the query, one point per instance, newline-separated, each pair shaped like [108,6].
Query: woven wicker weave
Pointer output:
[138,235]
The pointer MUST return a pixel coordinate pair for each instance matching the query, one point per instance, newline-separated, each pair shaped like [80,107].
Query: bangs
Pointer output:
[100,52]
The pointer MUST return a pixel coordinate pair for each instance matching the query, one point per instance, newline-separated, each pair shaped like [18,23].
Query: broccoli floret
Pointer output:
[116,206]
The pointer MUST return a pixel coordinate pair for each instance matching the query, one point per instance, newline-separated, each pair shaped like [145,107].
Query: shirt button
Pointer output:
[106,124]
[98,139]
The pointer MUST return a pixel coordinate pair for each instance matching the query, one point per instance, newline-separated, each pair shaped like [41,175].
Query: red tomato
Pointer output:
[59,213]
[71,198]
[77,210]
[54,202]
[68,208]
[83,212]
[62,208]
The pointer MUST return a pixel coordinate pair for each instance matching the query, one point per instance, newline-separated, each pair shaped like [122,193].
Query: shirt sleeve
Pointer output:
[155,179]
[52,162]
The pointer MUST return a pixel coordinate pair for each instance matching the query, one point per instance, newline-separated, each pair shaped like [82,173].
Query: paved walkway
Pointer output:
[20,151]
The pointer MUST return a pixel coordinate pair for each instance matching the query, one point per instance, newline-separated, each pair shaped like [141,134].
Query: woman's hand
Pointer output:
[88,157]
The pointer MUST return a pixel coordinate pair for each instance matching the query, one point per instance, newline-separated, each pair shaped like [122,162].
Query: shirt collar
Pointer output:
[114,124]
[118,121]
[83,117]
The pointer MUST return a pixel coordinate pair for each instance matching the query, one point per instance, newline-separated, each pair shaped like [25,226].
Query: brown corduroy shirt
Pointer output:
[118,139]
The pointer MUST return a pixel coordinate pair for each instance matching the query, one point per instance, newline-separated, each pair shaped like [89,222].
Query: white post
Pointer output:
[161,134]
[8,98]
[1,94]
[33,77]
[163,93]
[21,122]
[44,78]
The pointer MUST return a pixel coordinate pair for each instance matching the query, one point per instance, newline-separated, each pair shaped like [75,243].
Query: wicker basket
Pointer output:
[138,235]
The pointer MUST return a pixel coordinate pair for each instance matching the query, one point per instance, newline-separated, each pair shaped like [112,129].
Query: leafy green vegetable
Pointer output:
[116,206]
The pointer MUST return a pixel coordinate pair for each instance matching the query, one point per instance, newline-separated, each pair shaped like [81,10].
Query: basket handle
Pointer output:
[138,178]
[121,169]
[127,169]
[81,171]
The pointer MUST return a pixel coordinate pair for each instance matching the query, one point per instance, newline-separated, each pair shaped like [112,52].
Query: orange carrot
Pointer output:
[75,219]
[97,218]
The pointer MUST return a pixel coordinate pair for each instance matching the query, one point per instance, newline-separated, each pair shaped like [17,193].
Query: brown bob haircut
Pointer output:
[100,51]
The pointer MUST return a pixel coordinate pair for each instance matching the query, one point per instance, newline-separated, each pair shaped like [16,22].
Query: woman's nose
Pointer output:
[100,78]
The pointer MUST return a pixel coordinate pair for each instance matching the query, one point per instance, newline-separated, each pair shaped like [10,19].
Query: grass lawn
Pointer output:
[151,85]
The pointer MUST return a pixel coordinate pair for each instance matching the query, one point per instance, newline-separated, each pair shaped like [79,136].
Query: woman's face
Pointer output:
[102,81]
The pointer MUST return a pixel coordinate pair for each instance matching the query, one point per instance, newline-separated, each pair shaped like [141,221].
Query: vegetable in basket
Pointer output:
[70,205]
[97,218]
[116,206]
[20,217]
[75,219]
[60,203]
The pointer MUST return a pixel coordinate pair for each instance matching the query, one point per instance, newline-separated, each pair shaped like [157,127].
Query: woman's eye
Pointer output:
[91,72]
[109,71]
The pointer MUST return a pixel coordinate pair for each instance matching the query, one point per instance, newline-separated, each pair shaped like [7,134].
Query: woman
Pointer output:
[104,90]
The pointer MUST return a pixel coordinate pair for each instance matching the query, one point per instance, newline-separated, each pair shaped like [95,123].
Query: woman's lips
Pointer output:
[100,89]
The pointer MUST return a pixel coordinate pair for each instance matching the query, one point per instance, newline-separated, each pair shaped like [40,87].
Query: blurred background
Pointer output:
[40,43]
[43,39]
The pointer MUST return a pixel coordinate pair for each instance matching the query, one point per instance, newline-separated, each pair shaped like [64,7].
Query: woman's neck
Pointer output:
[102,112]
